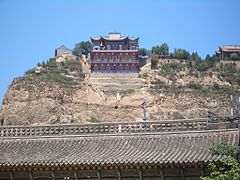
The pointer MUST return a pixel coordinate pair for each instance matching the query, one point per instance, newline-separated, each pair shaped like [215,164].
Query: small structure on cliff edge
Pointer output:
[172,149]
[62,50]
[62,54]
[115,54]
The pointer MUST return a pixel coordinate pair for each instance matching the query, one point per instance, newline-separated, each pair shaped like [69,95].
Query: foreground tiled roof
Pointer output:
[145,147]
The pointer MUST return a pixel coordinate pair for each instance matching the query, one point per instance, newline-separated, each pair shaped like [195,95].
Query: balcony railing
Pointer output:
[117,128]
[103,128]
[114,61]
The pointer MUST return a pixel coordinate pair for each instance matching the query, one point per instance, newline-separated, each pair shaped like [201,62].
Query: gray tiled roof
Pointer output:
[230,48]
[150,147]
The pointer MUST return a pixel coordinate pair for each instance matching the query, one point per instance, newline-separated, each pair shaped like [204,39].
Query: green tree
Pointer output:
[143,51]
[82,48]
[181,54]
[201,66]
[198,63]
[208,58]
[43,64]
[163,49]
[234,56]
[228,168]
[210,61]
[195,57]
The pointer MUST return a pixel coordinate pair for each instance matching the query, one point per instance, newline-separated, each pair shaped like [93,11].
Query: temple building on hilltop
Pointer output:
[114,54]
[226,51]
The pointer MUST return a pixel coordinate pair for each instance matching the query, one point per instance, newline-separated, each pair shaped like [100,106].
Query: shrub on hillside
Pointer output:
[172,68]
[196,86]
[154,63]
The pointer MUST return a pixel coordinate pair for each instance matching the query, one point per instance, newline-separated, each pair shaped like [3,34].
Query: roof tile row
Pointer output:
[157,148]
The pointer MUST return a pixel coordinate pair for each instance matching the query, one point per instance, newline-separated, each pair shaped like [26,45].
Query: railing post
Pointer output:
[119,128]
[140,174]
[30,176]
[202,172]
[75,175]
[144,104]
[53,175]
[162,174]
[11,176]
[119,174]
[98,175]
[182,173]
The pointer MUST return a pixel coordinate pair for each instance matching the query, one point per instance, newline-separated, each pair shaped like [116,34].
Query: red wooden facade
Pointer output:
[114,54]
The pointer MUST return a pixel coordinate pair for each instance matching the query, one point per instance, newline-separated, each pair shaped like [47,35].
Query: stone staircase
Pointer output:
[115,81]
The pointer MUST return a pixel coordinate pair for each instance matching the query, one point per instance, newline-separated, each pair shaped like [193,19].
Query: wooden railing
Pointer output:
[104,128]
[114,61]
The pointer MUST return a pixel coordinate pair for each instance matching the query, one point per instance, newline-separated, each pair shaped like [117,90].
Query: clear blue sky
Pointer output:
[30,30]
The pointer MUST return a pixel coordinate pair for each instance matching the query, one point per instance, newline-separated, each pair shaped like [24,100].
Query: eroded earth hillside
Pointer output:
[64,93]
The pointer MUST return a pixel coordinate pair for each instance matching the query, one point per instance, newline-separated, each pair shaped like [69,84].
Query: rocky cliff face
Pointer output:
[59,94]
